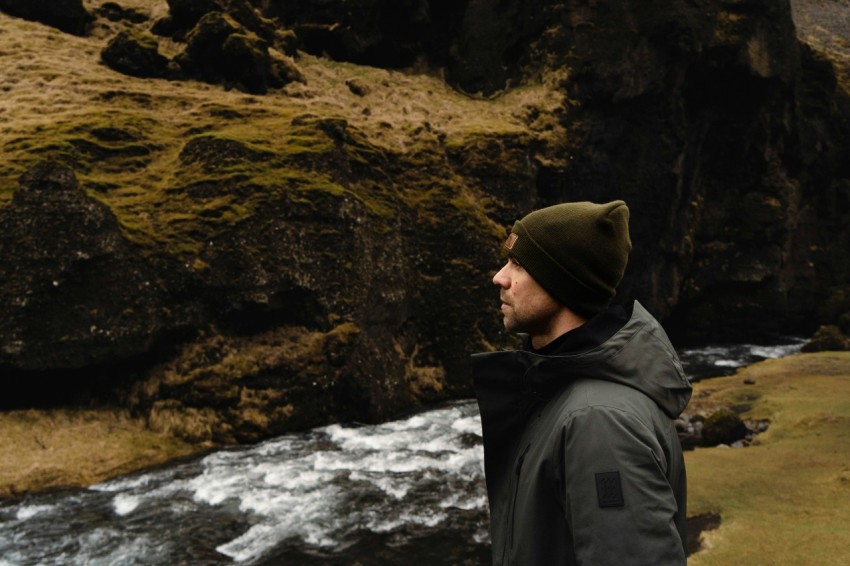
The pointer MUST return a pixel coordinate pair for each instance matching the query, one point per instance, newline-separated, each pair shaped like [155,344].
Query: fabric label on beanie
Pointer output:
[509,243]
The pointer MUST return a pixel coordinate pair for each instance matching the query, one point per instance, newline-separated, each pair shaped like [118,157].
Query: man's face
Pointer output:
[526,306]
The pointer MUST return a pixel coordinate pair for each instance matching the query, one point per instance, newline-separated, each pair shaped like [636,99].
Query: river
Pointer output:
[400,493]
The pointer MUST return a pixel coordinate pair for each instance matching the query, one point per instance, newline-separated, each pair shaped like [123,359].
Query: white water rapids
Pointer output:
[405,492]
[316,493]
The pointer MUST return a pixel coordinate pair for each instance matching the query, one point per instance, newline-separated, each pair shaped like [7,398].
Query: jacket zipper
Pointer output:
[509,542]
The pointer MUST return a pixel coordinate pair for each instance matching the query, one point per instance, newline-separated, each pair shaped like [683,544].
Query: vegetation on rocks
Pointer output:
[827,337]
[224,217]
[187,184]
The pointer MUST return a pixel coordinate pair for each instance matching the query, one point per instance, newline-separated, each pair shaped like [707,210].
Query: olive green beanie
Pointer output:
[577,251]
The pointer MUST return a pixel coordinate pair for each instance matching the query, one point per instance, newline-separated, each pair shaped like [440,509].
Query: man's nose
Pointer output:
[501,278]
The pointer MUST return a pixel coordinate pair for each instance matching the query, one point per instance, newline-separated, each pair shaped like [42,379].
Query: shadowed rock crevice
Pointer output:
[69,16]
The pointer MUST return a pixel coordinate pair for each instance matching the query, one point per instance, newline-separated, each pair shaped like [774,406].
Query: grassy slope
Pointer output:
[786,499]
[57,96]
[50,449]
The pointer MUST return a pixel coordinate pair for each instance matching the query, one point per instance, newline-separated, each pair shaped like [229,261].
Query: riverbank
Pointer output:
[50,449]
[783,499]
[778,501]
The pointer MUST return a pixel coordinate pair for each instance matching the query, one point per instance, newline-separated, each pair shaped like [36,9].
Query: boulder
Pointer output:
[184,15]
[220,50]
[827,337]
[836,308]
[69,16]
[246,62]
[136,54]
[723,427]
[187,13]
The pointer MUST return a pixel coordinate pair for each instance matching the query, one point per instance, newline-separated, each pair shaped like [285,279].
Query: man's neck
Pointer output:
[564,321]
[589,335]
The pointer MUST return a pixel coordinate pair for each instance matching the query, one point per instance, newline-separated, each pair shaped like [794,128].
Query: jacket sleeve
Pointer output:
[619,505]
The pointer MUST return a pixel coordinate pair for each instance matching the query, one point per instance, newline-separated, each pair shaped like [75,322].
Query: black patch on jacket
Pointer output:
[609,490]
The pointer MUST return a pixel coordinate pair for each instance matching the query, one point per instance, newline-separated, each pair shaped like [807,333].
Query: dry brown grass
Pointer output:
[41,450]
[51,79]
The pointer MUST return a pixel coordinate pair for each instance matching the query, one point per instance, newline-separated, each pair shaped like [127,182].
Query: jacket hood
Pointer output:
[639,355]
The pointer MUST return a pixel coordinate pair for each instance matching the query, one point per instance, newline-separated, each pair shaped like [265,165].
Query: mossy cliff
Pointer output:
[280,214]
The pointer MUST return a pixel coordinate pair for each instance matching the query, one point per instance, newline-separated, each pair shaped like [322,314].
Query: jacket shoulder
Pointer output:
[597,396]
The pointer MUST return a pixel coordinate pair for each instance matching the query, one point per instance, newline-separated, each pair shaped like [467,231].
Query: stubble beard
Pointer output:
[534,323]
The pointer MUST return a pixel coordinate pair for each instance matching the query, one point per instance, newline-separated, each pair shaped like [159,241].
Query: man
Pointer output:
[582,459]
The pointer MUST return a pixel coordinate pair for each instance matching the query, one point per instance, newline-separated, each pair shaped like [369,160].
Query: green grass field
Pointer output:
[786,498]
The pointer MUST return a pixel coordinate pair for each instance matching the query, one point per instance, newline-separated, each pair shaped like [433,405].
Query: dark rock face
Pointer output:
[479,43]
[74,292]
[381,33]
[670,106]
[705,117]
[347,302]
[333,307]
[67,15]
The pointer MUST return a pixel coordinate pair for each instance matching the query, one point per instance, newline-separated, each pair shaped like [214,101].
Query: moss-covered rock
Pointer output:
[184,15]
[723,427]
[135,54]
[828,338]
[220,50]
[245,388]
[246,62]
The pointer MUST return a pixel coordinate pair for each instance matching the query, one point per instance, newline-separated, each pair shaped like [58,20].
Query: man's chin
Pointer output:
[511,325]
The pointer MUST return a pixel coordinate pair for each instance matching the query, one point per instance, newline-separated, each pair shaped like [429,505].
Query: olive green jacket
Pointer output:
[582,459]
